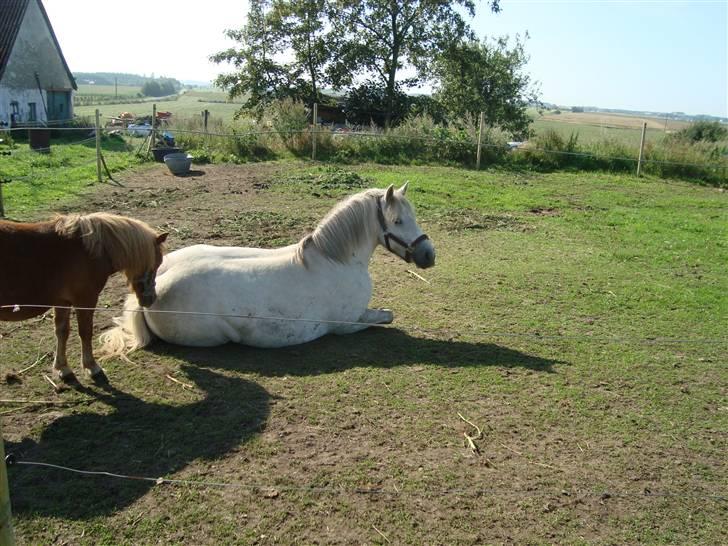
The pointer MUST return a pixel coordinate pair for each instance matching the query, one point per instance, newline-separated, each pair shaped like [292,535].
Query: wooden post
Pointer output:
[642,148]
[2,208]
[153,134]
[98,146]
[313,134]
[205,116]
[6,522]
[480,139]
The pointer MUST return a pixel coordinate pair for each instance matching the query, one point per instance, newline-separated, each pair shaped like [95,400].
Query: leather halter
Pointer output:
[408,248]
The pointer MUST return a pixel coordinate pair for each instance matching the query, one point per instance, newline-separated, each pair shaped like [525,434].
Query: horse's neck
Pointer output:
[361,252]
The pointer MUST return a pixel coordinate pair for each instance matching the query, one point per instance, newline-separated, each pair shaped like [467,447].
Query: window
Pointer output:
[32,116]
[14,113]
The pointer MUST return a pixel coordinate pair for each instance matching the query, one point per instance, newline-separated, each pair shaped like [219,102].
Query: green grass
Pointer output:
[592,133]
[188,105]
[536,326]
[38,180]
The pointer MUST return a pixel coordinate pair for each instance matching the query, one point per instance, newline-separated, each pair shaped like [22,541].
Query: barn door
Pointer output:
[59,105]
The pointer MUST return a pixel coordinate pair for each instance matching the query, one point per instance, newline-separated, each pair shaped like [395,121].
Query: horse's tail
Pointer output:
[130,333]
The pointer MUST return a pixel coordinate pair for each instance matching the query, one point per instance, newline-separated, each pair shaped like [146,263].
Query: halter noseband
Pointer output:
[408,248]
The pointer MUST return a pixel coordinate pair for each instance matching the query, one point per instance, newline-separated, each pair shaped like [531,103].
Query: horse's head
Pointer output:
[143,283]
[400,233]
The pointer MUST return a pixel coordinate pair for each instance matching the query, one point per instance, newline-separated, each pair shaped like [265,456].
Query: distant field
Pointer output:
[188,105]
[592,126]
[121,90]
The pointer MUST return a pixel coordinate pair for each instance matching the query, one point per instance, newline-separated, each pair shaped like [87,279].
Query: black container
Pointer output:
[159,153]
[40,139]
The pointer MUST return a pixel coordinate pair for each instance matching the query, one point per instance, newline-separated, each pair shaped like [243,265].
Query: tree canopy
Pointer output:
[293,48]
[487,76]
[160,87]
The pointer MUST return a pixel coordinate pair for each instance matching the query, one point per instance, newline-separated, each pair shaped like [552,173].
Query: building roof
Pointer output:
[12,13]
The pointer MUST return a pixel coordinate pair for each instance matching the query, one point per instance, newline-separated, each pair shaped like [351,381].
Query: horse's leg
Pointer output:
[377,316]
[369,317]
[85,320]
[60,364]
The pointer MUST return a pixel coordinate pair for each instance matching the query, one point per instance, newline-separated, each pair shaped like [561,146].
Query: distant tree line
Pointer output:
[149,86]
[160,87]
[295,48]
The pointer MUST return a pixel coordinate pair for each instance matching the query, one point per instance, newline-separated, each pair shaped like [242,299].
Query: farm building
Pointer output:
[36,86]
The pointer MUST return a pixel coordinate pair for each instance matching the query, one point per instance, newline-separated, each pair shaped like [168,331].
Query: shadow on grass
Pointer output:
[376,348]
[135,438]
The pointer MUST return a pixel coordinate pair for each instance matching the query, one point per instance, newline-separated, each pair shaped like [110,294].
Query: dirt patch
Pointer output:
[266,229]
[455,220]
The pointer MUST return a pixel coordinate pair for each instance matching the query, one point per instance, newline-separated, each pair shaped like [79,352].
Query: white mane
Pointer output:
[344,228]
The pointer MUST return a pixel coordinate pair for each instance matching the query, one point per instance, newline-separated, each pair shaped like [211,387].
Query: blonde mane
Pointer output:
[130,244]
[343,229]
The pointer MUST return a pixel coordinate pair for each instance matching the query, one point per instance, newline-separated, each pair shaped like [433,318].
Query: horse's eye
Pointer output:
[398,221]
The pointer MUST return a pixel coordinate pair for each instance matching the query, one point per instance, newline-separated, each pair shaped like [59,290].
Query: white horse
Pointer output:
[324,277]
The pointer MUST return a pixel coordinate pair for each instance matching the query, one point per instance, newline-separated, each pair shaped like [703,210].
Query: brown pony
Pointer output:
[65,262]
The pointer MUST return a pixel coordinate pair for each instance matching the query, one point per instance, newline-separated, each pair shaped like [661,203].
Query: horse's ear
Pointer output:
[403,189]
[162,237]
[389,195]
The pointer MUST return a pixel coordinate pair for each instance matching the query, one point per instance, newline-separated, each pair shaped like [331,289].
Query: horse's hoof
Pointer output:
[98,376]
[66,375]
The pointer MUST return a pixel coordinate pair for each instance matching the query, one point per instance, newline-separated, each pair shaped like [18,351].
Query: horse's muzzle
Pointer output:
[146,300]
[424,255]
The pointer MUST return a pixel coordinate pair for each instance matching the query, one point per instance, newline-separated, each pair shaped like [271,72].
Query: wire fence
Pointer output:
[477,331]
[466,147]
[393,490]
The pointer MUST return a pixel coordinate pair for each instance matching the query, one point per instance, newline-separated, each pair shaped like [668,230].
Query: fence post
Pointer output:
[642,148]
[2,208]
[98,146]
[6,522]
[153,133]
[480,139]
[205,115]
[315,128]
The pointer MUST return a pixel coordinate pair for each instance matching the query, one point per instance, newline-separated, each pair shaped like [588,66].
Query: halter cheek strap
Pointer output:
[409,248]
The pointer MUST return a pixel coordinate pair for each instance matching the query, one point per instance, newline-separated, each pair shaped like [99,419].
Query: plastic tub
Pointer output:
[178,163]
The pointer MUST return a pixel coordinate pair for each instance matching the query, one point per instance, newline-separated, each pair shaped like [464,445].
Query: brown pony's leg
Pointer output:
[85,331]
[63,328]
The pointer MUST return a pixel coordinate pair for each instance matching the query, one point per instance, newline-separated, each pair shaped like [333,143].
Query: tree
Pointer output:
[302,25]
[278,30]
[384,36]
[368,103]
[160,87]
[487,77]
[258,76]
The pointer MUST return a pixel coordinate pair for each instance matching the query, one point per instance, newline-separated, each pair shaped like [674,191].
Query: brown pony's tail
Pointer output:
[130,333]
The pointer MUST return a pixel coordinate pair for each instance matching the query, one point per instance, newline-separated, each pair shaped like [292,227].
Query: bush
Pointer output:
[289,119]
[708,131]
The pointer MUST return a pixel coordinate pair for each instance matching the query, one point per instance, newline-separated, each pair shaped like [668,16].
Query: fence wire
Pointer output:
[483,331]
[394,491]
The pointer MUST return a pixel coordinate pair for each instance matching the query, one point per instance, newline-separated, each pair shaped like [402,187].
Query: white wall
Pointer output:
[23,96]
[33,52]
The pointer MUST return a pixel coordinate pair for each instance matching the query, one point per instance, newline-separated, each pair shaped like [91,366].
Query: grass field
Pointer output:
[187,105]
[596,126]
[543,323]
[68,169]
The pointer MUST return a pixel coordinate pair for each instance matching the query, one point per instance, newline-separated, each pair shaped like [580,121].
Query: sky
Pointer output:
[654,55]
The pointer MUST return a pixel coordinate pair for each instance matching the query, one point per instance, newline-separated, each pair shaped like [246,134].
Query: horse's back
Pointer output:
[38,266]
[228,284]
[219,253]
